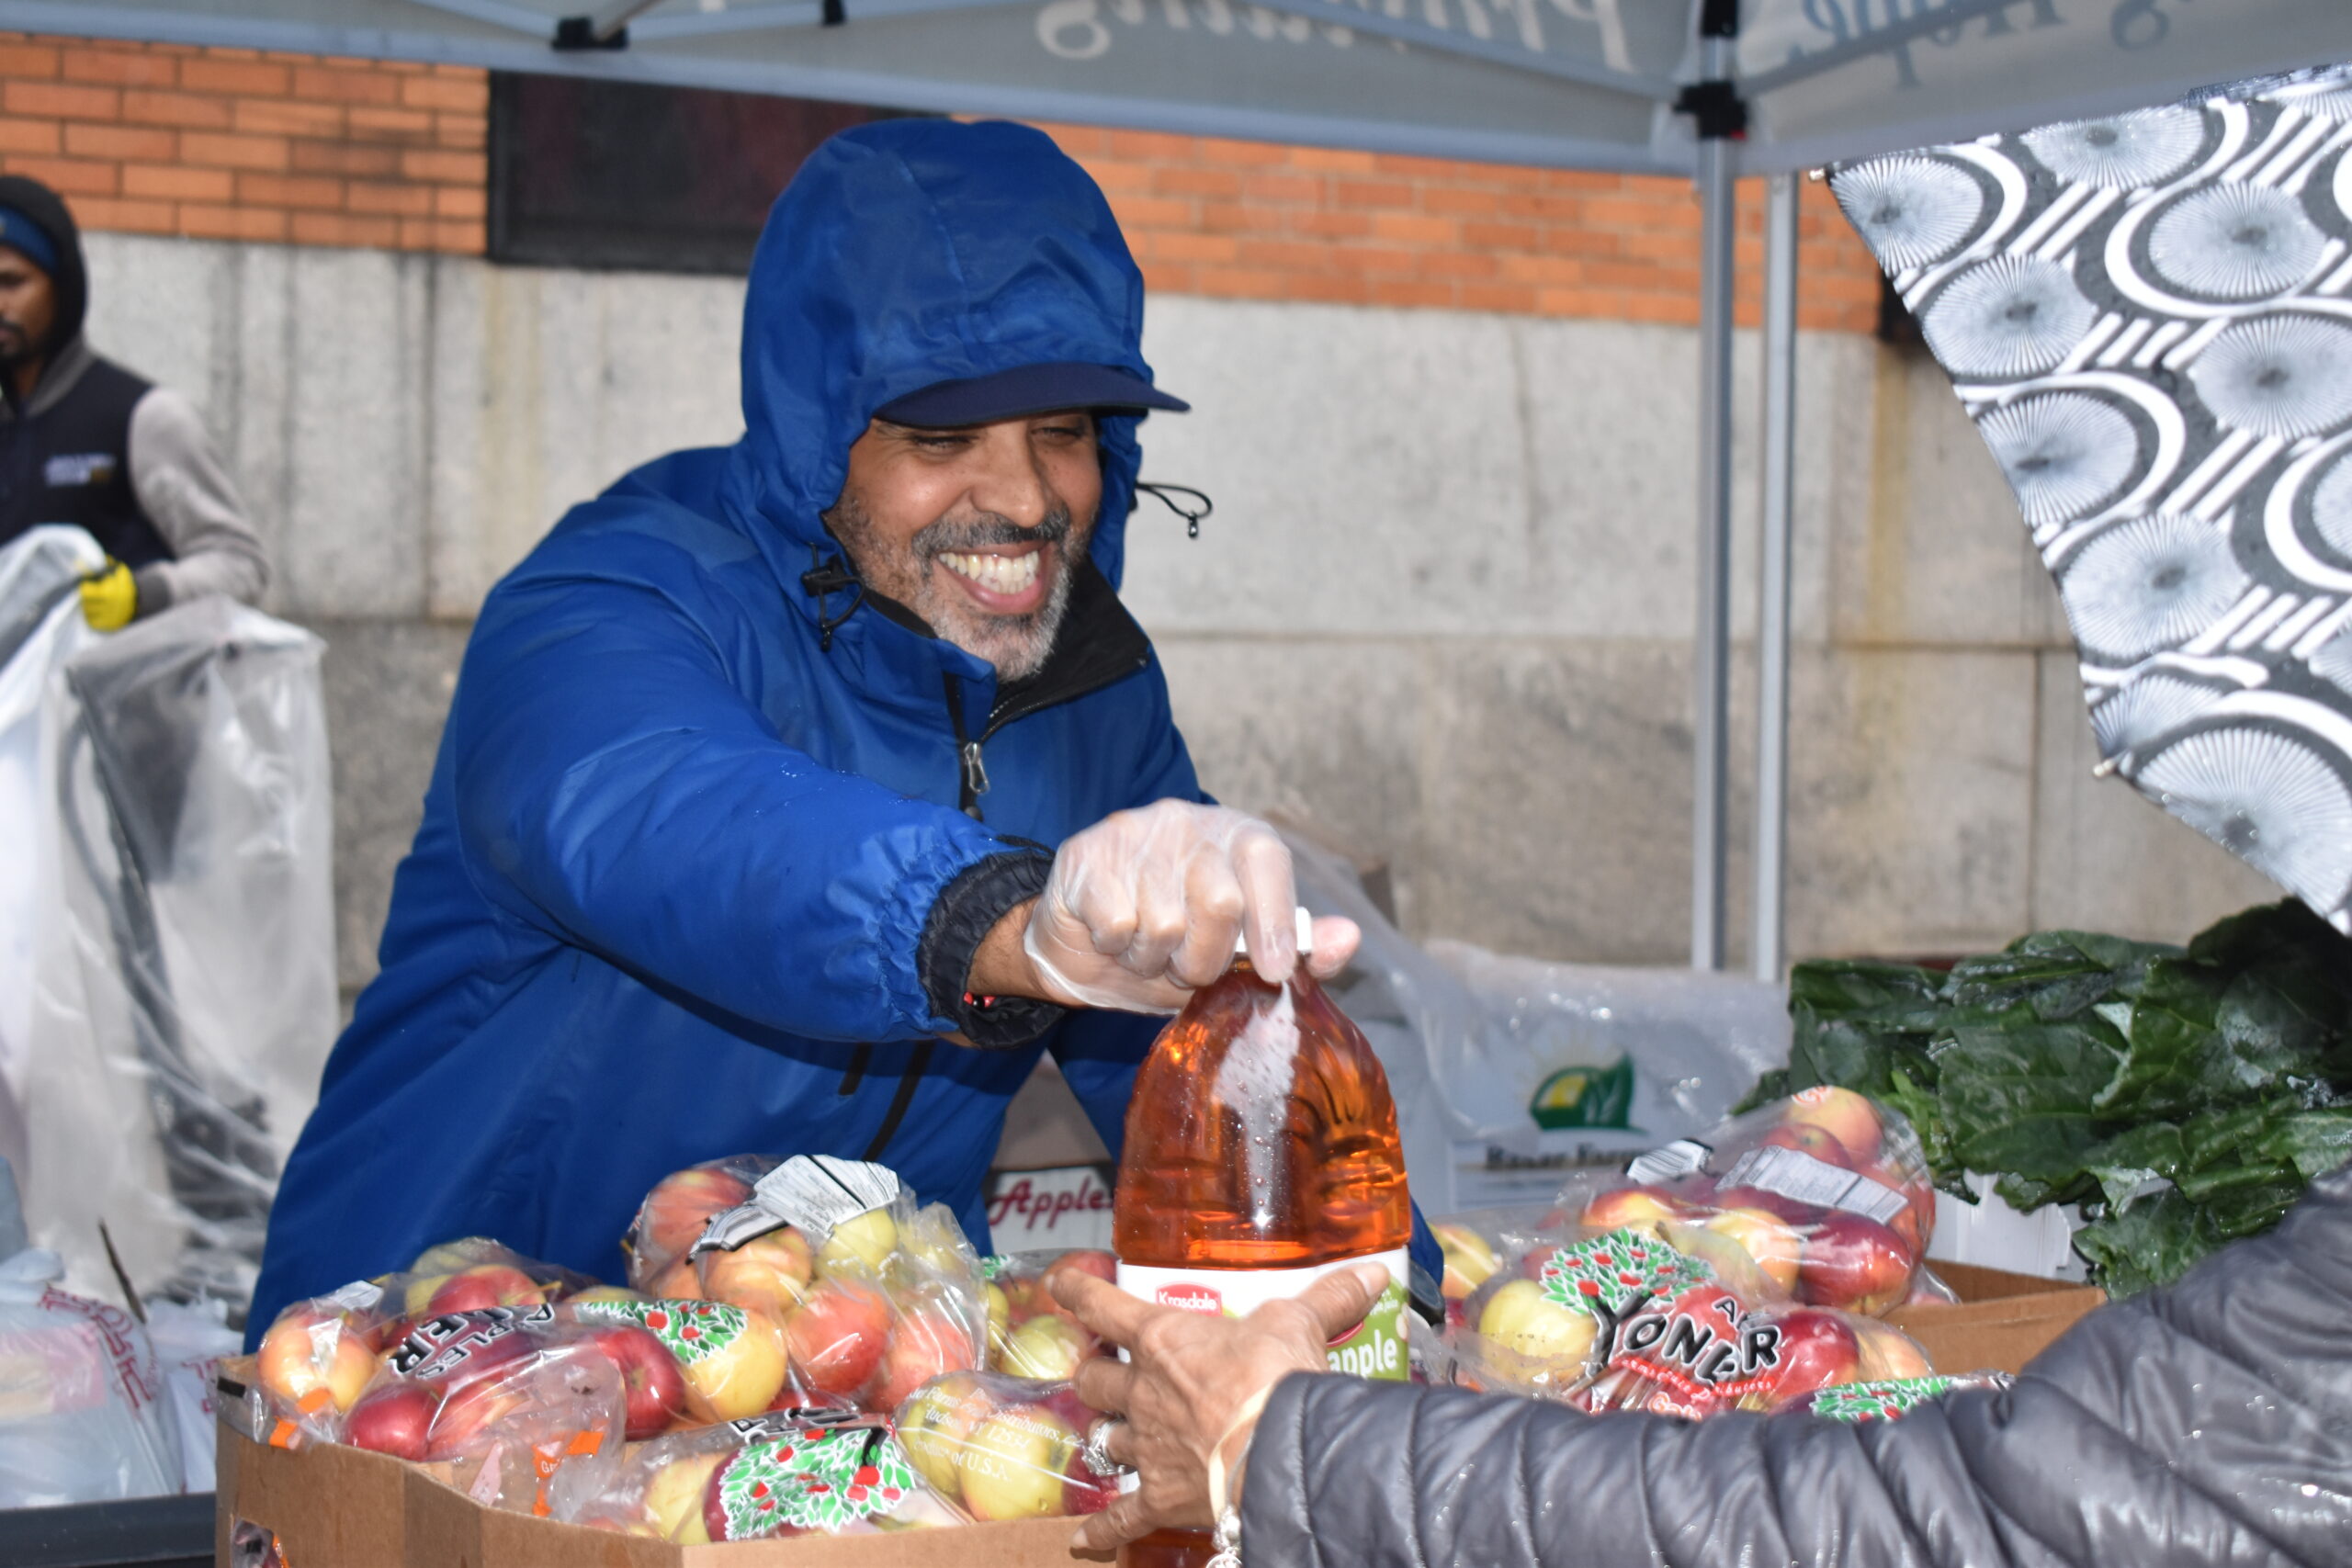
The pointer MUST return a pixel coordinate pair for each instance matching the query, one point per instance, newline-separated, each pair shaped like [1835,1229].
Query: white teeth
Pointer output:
[1001,574]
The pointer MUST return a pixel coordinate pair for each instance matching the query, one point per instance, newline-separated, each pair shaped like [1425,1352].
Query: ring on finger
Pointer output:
[1097,1452]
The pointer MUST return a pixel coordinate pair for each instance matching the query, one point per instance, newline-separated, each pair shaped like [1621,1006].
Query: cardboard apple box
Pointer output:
[2003,1320]
[341,1507]
[349,1508]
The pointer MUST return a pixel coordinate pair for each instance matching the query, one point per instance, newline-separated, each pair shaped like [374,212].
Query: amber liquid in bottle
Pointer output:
[1261,1136]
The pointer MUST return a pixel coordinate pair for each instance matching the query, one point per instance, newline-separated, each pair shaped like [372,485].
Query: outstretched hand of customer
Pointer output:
[1188,1394]
[1142,908]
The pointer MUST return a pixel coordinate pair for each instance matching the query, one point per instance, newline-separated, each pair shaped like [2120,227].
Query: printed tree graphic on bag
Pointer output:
[817,1479]
[1612,1276]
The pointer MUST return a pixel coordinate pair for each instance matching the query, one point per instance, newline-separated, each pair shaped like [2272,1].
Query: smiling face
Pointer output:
[976,529]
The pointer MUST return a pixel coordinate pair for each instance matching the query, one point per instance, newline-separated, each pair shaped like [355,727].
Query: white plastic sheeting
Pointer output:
[1585,84]
[180,994]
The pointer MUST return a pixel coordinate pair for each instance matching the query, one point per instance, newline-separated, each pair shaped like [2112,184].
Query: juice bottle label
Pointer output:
[1376,1350]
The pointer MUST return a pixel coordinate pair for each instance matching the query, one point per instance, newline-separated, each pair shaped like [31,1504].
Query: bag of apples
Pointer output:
[320,1355]
[764,1478]
[674,1214]
[1702,1351]
[529,1410]
[875,1295]
[1828,1191]
[1674,1319]
[1545,1322]
[1001,1448]
[1030,1334]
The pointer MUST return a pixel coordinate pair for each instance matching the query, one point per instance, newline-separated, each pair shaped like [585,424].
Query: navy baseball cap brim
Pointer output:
[1027,389]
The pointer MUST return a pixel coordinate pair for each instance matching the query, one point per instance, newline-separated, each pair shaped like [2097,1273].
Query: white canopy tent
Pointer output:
[1710,88]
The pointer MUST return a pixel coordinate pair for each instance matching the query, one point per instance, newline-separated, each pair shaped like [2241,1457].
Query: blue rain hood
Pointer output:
[681,844]
[909,252]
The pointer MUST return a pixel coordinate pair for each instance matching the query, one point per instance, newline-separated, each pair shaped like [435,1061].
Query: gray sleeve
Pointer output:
[2206,1423]
[184,487]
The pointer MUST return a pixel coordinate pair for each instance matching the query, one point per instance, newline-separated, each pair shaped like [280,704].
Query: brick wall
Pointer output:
[1249,220]
[228,143]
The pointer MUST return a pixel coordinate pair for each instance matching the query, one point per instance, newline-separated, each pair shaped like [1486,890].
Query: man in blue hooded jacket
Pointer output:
[797,795]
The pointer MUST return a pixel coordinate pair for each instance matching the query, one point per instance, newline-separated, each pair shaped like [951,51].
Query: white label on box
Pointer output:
[1069,1206]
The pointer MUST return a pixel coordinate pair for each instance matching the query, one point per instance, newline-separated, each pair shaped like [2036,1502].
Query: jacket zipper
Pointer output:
[971,772]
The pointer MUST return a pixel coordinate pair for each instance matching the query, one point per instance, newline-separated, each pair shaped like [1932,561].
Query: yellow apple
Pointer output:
[1767,1238]
[1520,1318]
[863,1242]
[674,1499]
[1469,1261]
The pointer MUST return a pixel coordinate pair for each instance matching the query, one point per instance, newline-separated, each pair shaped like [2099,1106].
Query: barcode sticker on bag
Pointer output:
[814,1193]
[1791,1173]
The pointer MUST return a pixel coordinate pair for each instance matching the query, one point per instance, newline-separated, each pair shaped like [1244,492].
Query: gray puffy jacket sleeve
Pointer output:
[2207,1424]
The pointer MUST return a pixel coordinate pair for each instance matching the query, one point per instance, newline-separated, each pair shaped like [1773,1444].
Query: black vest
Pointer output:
[71,463]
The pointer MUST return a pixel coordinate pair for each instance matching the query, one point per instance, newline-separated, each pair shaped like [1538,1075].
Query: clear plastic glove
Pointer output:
[1143,907]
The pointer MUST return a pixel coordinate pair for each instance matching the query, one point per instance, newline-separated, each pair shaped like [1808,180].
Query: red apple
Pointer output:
[394,1418]
[929,1340]
[1852,1262]
[1849,1117]
[468,1412]
[1631,1208]
[768,1273]
[649,1375]
[673,1216]
[1816,1351]
[485,1285]
[838,1335]
[1815,1142]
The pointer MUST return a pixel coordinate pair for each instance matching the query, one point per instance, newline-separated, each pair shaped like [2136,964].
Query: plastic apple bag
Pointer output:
[793,1473]
[1030,1334]
[1828,1191]
[1703,1351]
[1890,1399]
[319,1356]
[671,1220]
[524,1406]
[876,1296]
[685,1361]
[81,1417]
[1004,1448]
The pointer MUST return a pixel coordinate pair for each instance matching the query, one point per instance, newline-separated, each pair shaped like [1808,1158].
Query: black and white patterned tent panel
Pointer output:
[2149,319]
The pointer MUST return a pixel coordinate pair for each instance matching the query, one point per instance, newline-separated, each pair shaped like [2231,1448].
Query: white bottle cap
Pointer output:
[1306,936]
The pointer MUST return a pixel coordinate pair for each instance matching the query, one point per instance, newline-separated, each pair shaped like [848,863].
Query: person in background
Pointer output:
[84,441]
[2209,1422]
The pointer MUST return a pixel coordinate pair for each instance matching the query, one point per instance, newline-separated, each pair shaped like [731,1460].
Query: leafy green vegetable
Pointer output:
[2185,1096]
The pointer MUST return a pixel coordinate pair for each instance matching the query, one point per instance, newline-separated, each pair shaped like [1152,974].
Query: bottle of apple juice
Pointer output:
[1261,1154]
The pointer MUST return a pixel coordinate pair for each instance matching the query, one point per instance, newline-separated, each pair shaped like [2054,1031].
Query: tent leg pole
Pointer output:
[1711,650]
[1767,943]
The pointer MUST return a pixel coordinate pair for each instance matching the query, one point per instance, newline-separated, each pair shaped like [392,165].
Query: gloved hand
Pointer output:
[109,598]
[1142,908]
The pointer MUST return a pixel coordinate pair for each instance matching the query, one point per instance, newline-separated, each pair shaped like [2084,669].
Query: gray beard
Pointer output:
[1018,646]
